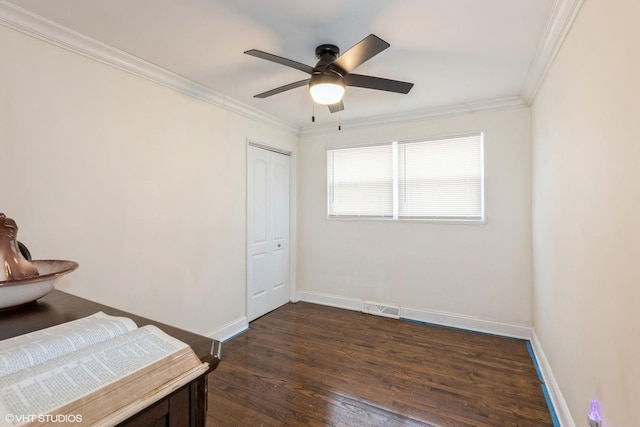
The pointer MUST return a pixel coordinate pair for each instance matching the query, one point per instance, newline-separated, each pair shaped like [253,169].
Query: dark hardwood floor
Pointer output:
[311,365]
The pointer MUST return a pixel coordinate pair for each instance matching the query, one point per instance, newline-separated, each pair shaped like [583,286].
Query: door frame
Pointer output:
[293,294]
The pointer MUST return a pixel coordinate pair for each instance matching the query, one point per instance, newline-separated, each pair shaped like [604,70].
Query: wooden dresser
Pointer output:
[186,406]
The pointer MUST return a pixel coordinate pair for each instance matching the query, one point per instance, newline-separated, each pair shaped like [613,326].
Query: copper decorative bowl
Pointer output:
[21,291]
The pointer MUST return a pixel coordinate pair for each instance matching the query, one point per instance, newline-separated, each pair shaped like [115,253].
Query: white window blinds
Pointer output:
[436,179]
[361,181]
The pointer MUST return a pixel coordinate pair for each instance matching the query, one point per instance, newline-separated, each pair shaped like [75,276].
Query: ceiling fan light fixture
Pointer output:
[326,88]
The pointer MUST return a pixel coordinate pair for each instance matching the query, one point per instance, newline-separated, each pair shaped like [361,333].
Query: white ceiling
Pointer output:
[455,51]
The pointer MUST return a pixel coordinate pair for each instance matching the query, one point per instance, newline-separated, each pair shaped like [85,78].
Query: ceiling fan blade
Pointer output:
[282,88]
[364,50]
[280,60]
[370,82]
[334,108]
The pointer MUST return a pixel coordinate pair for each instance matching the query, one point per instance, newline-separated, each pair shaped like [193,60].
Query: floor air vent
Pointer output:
[381,309]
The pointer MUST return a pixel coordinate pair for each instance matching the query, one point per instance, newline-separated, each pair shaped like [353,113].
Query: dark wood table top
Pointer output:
[59,307]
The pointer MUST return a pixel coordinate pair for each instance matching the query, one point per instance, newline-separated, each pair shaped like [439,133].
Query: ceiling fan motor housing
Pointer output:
[325,72]
[327,77]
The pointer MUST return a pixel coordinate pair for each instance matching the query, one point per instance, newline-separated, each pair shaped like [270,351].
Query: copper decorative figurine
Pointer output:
[14,266]
[22,280]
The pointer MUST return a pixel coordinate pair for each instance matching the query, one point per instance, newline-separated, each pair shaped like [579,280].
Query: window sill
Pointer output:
[410,220]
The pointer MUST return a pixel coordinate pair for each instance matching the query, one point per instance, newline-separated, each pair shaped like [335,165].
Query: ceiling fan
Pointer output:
[334,71]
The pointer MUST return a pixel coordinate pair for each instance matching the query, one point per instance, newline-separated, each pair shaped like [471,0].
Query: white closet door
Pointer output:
[268,231]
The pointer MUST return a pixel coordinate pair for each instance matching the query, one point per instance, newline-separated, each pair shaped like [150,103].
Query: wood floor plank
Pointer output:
[306,364]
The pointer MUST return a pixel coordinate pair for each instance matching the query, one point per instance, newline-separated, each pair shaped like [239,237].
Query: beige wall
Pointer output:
[586,205]
[143,186]
[481,271]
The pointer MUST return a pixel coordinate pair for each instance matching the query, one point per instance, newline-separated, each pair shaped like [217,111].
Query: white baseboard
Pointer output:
[555,394]
[230,330]
[427,316]
[354,304]
[466,322]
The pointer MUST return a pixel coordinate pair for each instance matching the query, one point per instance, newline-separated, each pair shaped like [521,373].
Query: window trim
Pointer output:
[432,220]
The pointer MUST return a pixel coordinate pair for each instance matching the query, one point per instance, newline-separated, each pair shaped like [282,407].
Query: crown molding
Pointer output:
[34,25]
[420,115]
[558,25]
[253,113]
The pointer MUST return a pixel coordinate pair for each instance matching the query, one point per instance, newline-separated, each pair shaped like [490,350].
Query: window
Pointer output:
[436,179]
